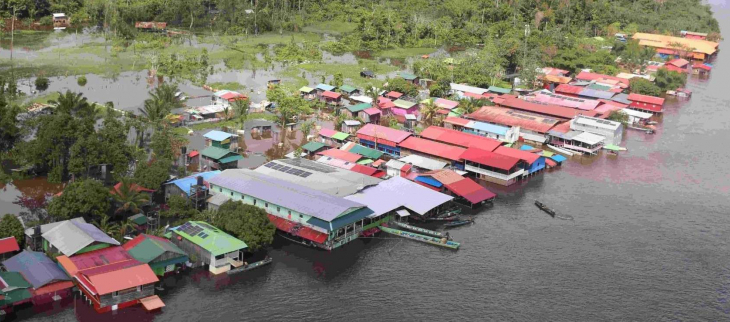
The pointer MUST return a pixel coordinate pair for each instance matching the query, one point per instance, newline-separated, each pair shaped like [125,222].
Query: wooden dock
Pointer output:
[443,242]
[421,230]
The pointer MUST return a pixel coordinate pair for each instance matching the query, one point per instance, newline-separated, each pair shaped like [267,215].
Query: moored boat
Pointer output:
[561,150]
[450,218]
[545,208]
[251,266]
[458,223]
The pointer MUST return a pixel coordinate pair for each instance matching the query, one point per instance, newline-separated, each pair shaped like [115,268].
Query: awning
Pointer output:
[231,158]
[152,303]
[550,162]
[403,213]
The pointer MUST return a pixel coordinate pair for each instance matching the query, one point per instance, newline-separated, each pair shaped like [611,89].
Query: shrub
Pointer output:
[81,80]
[42,83]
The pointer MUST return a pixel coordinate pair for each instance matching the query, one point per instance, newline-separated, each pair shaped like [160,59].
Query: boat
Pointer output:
[458,223]
[449,213]
[443,242]
[420,230]
[251,266]
[294,240]
[545,208]
[450,218]
[645,129]
[561,150]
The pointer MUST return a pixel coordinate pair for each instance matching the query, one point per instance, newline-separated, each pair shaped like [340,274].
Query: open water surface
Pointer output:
[649,242]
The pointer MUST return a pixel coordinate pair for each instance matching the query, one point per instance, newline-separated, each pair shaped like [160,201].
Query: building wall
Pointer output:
[393,151]
[610,136]
[203,256]
[141,292]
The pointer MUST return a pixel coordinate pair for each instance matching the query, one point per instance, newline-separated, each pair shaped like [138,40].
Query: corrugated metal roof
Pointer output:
[470,190]
[509,117]
[596,122]
[327,132]
[588,138]
[621,98]
[340,136]
[332,95]
[366,152]
[458,138]
[569,89]
[429,181]
[185,183]
[646,99]
[423,162]
[382,132]
[499,90]
[333,180]
[72,236]
[49,226]
[397,192]
[372,111]
[358,107]
[457,121]
[36,268]
[404,104]
[429,147]
[215,152]
[8,244]
[663,41]
[122,279]
[488,127]
[491,159]
[313,146]
[340,154]
[361,98]
[286,194]
[528,157]
[216,135]
[588,76]
[347,88]
[146,248]
[468,89]
[549,110]
[444,103]
[594,93]
[306,89]
[217,241]
[325,87]
[408,76]
[546,97]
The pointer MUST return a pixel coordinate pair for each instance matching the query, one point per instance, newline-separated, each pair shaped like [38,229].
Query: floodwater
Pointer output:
[648,242]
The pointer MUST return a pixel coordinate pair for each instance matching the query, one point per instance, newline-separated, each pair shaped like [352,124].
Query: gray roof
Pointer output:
[47,227]
[423,162]
[621,98]
[71,236]
[397,192]
[283,193]
[36,268]
[323,177]
[218,199]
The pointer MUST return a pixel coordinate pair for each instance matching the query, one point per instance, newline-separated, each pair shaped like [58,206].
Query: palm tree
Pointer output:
[306,128]
[105,226]
[241,108]
[166,94]
[129,198]
[74,104]
[227,112]
[339,119]
[373,92]
[123,229]
[429,111]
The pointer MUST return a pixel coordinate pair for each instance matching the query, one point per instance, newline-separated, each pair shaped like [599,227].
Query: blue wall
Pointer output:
[381,147]
[538,165]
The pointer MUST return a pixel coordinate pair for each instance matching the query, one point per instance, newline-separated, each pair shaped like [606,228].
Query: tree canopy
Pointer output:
[246,222]
[88,198]
[10,226]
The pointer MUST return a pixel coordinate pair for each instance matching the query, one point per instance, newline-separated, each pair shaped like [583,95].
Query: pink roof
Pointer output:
[331,94]
[444,103]
[8,244]
[394,94]
[550,110]
[569,89]
[509,117]
[646,99]
[473,95]
[554,71]
[193,153]
[491,159]
[429,147]
[458,138]
[457,121]
[372,111]
[528,157]
[385,103]
[606,109]
[341,154]
[564,101]
[674,68]
[470,190]
[232,96]
[122,279]
[679,62]
[327,132]
[562,127]
[382,132]
[587,76]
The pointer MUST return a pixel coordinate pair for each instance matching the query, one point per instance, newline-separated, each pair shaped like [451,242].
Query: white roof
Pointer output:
[209,109]
[596,122]
[637,114]
[423,162]
[395,164]
[361,98]
[410,117]
[47,227]
[588,138]
[59,15]
[352,122]
[467,88]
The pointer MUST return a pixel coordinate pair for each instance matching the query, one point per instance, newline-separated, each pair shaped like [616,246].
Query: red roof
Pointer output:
[562,127]
[332,95]
[646,99]
[674,68]
[134,187]
[490,159]
[509,117]
[8,244]
[459,138]
[429,147]
[382,132]
[327,132]
[679,62]
[341,154]
[569,89]
[232,96]
[457,121]
[550,110]
[394,95]
[470,190]
[554,71]
[587,76]
[666,51]
[700,65]
[528,157]
[364,169]
[385,103]
[193,153]
[53,287]
[101,257]
[372,111]
[121,279]
[304,232]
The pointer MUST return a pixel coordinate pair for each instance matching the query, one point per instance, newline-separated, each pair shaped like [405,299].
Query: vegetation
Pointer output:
[619,116]
[642,86]
[246,222]
[41,83]
[88,198]
[10,130]
[401,85]
[128,199]
[81,80]
[10,226]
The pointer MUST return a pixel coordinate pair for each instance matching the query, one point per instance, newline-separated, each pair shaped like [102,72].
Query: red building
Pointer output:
[646,103]
[459,138]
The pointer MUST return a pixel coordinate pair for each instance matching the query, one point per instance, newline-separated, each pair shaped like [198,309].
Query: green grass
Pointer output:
[42,99]
[350,73]
[402,53]
[331,27]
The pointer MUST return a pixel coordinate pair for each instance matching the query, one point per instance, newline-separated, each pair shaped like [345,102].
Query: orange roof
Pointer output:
[67,265]
[152,303]
[662,41]
[122,279]
[53,287]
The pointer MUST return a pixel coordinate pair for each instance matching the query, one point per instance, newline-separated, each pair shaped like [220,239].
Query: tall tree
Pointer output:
[129,200]
[10,226]
[249,223]
[88,198]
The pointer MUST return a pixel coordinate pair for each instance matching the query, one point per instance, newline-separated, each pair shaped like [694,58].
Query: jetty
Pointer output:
[443,242]
[421,230]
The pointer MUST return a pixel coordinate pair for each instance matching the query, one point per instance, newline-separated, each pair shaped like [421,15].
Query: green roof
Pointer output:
[149,249]
[216,241]
[14,280]
[216,153]
[499,90]
[138,219]
[306,89]
[456,112]
[347,88]
[313,146]
[403,103]
[340,136]
[231,158]
[358,107]
[599,87]
[365,161]
[408,76]
[366,152]
[547,154]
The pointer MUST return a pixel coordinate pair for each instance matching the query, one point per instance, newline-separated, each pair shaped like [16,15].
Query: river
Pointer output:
[648,242]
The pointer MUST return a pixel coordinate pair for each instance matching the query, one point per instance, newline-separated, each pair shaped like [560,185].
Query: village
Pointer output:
[374,163]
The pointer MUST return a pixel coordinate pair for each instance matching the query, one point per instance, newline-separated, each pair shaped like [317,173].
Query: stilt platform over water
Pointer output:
[421,230]
[443,242]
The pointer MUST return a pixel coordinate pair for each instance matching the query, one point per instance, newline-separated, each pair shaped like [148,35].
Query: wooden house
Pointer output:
[348,90]
[333,138]
[307,93]
[313,147]
[208,245]
[221,139]
[49,283]
[411,78]
[370,115]
[219,158]
[34,235]
[351,126]
[331,98]
[74,238]
[162,255]
[321,88]
[61,21]
[111,279]
[191,187]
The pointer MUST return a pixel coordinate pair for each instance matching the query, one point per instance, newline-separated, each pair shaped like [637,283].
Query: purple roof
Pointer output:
[283,193]
[397,192]
[36,268]
[95,233]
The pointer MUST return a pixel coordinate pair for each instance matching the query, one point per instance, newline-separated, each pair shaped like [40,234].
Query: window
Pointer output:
[254,202]
[300,216]
[289,212]
[278,209]
[220,189]
[266,205]
[231,193]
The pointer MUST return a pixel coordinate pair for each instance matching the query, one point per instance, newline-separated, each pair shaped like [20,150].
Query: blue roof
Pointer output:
[558,158]
[185,183]
[341,221]
[596,93]
[325,87]
[429,181]
[526,147]
[490,128]
[216,135]
[36,268]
